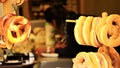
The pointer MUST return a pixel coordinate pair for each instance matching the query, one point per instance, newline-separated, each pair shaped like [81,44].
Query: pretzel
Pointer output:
[78,30]
[94,59]
[93,36]
[82,60]
[115,57]
[103,61]
[98,28]
[17,29]
[113,54]
[110,33]
[3,21]
[108,59]
[102,32]
[86,29]
[13,29]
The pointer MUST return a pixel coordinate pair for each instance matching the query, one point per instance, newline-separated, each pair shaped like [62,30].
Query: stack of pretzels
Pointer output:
[13,29]
[100,32]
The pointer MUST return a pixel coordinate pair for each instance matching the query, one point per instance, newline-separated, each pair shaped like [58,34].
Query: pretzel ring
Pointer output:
[86,29]
[111,56]
[17,29]
[78,30]
[115,57]
[82,60]
[93,37]
[113,20]
[98,28]
[94,59]
[103,61]
[110,32]
[3,21]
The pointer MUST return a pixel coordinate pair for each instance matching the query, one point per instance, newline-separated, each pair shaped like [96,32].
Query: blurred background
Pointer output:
[34,10]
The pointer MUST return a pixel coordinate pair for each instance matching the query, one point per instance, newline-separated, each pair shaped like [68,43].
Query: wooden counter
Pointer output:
[55,62]
[17,66]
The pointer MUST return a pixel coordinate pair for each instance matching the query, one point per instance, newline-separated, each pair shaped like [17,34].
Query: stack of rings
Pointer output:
[98,31]
[103,33]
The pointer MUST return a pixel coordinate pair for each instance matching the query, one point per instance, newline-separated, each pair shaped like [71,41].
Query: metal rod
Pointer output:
[70,21]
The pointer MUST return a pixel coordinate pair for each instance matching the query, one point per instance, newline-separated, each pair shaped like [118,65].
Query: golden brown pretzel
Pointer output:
[93,36]
[110,33]
[113,54]
[98,28]
[108,59]
[112,20]
[86,29]
[78,30]
[3,21]
[82,60]
[94,59]
[115,57]
[17,29]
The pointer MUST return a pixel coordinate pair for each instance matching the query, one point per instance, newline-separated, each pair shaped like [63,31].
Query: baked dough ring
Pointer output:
[78,30]
[103,61]
[94,59]
[98,28]
[17,29]
[93,37]
[108,41]
[86,29]
[101,23]
[108,59]
[115,57]
[105,51]
[3,21]
[110,33]
[113,54]
[82,60]
[112,20]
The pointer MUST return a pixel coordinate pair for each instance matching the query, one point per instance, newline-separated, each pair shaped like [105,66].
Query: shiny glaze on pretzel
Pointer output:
[17,29]
[3,21]
[14,29]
